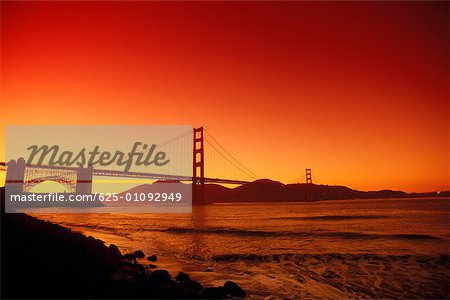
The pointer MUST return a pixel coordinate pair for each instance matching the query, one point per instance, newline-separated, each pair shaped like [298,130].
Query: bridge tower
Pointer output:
[309,185]
[84,180]
[198,175]
[308,176]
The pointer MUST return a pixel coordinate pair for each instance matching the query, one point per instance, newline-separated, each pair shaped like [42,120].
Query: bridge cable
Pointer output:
[245,172]
[248,170]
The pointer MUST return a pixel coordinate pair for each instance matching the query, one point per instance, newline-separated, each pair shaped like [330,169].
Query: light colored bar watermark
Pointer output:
[122,169]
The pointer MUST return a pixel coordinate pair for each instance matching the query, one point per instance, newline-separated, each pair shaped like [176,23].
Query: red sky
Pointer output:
[356,91]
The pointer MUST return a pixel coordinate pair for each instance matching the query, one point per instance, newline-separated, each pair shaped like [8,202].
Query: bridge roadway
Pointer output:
[115,173]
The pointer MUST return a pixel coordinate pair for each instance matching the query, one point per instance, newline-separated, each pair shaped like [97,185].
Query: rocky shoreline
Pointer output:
[44,260]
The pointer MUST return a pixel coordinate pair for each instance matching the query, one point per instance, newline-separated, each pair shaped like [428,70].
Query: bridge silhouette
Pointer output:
[223,167]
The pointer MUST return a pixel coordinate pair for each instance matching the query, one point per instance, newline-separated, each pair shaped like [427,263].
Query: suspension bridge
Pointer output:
[222,168]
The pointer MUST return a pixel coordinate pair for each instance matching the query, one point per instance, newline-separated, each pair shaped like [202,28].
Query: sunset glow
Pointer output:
[357,92]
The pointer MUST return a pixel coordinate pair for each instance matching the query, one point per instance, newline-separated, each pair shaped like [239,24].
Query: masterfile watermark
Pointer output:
[146,156]
[125,169]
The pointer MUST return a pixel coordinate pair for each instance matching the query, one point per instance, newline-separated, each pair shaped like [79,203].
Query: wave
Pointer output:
[277,257]
[302,234]
[89,226]
[102,228]
[346,235]
[333,217]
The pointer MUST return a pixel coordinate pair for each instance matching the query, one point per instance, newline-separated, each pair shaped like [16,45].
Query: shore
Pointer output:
[44,260]
[291,275]
[328,254]
[341,276]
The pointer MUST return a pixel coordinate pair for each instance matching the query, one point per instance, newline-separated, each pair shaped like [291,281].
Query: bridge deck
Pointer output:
[115,173]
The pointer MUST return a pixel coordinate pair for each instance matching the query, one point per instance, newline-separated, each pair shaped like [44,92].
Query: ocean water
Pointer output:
[215,242]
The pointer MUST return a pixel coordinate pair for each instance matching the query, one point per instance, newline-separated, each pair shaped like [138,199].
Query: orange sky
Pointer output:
[358,92]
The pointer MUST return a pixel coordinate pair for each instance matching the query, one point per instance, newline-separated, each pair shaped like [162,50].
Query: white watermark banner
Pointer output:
[95,169]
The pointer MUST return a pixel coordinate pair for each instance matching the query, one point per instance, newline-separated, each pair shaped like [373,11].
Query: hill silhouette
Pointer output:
[265,190]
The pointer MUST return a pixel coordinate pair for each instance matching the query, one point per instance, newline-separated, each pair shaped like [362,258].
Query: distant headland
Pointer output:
[265,190]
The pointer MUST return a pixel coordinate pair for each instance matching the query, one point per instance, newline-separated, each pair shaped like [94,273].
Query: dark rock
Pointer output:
[209,269]
[139,254]
[152,258]
[182,277]
[130,256]
[162,276]
[214,293]
[127,264]
[139,267]
[81,262]
[112,257]
[152,266]
[193,286]
[114,250]
[233,289]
